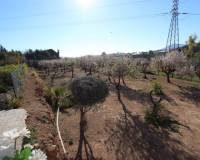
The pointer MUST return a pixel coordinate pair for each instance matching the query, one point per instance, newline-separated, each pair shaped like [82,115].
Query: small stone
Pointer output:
[36,146]
[71,142]
[50,135]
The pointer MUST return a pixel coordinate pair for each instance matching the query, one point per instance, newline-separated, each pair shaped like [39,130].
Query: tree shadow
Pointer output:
[137,95]
[190,93]
[141,96]
[168,99]
[130,138]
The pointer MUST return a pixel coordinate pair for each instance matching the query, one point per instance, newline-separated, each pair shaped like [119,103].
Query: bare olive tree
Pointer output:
[119,71]
[69,65]
[107,70]
[172,62]
[88,64]
[144,64]
[187,70]
[157,64]
[83,64]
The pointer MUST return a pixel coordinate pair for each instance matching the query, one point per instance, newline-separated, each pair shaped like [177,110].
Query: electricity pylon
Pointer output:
[173,35]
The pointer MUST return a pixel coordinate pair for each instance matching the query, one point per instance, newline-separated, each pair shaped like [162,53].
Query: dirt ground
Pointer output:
[40,119]
[114,136]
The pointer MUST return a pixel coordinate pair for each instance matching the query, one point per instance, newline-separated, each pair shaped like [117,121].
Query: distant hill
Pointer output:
[172,47]
[149,54]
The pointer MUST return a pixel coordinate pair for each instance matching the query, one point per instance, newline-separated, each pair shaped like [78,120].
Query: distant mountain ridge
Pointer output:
[172,47]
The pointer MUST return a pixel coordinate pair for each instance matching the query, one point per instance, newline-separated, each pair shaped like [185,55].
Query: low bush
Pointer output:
[158,116]
[157,89]
[58,97]
[25,68]
[3,89]
[48,94]
[14,103]
[24,154]
[66,100]
[5,74]
[159,120]
[28,153]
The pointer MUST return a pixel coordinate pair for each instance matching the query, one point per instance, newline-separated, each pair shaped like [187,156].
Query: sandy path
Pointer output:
[41,118]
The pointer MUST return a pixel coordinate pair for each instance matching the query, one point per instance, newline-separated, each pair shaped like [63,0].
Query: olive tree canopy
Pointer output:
[88,90]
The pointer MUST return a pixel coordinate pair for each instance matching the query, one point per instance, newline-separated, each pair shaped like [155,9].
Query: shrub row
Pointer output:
[5,75]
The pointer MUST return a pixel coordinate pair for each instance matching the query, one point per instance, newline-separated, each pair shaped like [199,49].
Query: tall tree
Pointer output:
[192,44]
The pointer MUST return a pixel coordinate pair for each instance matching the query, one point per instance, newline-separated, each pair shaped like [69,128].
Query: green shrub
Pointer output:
[151,118]
[24,154]
[66,101]
[3,89]
[14,103]
[157,89]
[5,74]
[159,120]
[5,78]
[58,97]
[58,92]
[48,94]
[25,68]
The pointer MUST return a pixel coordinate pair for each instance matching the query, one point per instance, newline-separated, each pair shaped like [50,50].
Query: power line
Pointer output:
[173,34]
[77,23]
[182,13]
[95,21]
[193,14]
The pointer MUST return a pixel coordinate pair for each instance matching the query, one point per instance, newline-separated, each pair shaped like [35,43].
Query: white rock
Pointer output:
[9,120]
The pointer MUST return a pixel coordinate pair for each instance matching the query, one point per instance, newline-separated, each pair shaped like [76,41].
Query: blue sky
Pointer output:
[106,25]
